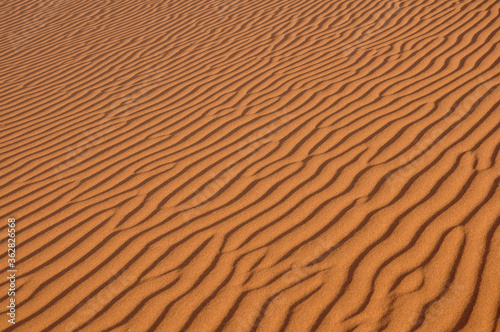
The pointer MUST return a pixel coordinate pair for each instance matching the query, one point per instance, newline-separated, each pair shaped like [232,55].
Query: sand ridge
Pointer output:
[252,165]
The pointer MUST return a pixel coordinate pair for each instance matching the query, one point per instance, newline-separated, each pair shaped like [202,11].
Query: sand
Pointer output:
[282,165]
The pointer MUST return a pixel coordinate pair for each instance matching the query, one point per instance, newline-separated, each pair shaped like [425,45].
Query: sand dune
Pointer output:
[251,165]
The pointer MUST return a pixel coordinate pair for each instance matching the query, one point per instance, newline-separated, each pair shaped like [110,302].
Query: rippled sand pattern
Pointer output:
[281,165]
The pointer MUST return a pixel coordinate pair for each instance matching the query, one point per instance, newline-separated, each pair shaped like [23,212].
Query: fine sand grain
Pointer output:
[251,165]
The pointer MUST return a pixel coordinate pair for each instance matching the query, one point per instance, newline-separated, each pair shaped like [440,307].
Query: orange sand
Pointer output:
[283,165]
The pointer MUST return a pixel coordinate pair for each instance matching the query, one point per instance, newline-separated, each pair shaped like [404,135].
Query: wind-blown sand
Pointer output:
[287,165]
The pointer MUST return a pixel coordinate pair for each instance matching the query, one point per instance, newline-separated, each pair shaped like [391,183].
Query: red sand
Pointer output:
[241,165]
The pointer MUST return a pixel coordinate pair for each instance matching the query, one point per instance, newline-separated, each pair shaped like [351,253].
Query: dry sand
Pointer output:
[283,165]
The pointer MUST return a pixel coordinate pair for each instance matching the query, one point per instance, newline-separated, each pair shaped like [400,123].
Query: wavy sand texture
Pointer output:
[278,165]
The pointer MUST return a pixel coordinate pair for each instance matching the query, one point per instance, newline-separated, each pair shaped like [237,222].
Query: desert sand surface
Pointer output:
[278,165]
